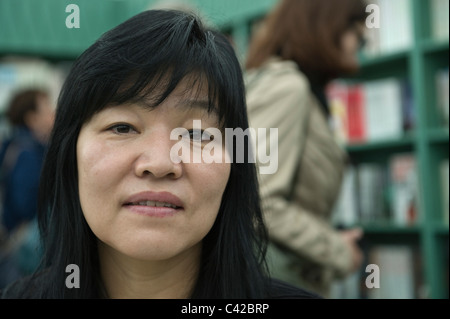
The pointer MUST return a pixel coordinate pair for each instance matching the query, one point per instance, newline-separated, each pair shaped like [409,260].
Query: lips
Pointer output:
[154,203]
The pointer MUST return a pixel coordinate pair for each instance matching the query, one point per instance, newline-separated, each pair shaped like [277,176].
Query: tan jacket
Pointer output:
[298,199]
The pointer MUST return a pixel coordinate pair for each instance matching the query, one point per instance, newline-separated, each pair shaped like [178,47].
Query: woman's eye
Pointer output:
[122,129]
[200,136]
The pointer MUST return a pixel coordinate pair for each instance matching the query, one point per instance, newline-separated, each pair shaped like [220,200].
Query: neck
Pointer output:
[125,277]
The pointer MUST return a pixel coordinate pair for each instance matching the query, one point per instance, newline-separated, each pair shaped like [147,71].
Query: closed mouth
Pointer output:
[152,203]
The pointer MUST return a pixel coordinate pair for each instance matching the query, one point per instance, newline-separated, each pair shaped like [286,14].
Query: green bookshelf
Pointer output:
[34,28]
[429,141]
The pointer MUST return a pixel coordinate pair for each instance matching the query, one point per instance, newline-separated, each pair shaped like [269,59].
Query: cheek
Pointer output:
[99,172]
[212,180]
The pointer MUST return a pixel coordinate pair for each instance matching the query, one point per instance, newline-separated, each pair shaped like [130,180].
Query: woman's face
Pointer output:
[135,199]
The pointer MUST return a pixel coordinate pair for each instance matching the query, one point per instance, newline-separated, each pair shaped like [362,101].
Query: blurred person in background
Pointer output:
[300,47]
[31,116]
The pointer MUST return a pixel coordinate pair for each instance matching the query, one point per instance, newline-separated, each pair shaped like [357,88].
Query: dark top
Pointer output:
[21,159]
[28,288]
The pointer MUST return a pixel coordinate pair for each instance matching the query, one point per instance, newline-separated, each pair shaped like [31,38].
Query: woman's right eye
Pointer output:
[122,129]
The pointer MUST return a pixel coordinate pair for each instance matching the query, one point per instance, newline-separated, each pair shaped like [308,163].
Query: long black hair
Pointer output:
[154,49]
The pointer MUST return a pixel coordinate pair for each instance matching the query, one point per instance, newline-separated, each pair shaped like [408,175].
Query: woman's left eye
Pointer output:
[122,129]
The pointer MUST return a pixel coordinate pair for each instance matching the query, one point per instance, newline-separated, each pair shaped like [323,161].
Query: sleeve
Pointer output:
[285,107]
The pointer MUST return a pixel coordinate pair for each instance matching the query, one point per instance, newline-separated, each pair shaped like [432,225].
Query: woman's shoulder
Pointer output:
[283,290]
[278,72]
[28,287]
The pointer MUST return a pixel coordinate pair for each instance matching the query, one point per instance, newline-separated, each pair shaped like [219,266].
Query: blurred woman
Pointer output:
[31,116]
[300,47]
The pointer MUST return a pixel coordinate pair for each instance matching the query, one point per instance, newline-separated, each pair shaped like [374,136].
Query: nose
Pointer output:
[154,157]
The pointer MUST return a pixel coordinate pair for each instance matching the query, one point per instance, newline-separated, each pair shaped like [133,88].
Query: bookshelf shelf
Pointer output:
[384,65]
[384,59]
[441,229]
[431,46]
[382,145]
[438,136]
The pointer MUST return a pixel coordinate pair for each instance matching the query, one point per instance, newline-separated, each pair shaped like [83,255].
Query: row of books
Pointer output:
[375,110]
[375,194]
[372,193]
[392,30]
[389,272]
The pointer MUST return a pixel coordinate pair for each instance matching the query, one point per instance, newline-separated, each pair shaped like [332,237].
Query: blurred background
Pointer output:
[393,118]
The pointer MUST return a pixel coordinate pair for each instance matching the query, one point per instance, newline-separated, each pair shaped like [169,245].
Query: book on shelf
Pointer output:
[363,196]
[345,212]
[444,176]
[384,109]
[371,111]
[404,189]
[371,184]
[337,93]
[439,17]
[395,32]
[373,193]
[398,277]
[356,124]
[442,92]
[347,288]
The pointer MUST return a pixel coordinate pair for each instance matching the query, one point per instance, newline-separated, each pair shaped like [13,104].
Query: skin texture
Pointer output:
[125,150]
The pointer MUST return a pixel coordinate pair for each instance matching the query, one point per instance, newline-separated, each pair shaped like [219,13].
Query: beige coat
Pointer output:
[298,199]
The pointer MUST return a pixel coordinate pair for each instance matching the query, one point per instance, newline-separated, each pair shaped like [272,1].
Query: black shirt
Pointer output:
[29,288]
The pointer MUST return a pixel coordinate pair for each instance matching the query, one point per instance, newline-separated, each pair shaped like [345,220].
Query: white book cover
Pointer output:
[396,25]
[386,26]
[346,211]
[396,276]
[384,115]
[439,11]
[372,47]
[404,189]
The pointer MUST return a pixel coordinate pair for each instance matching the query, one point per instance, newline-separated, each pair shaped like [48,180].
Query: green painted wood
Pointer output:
[433,269]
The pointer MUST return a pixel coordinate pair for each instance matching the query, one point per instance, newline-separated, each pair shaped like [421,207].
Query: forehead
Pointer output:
[192,92]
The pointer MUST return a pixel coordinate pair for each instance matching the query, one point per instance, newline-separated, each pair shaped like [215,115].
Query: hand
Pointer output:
[351,237]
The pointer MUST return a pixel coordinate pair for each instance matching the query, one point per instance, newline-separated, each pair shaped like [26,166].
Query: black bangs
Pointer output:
[147,56]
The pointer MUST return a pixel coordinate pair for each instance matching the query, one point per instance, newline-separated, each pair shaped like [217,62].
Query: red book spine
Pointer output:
[356,115]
